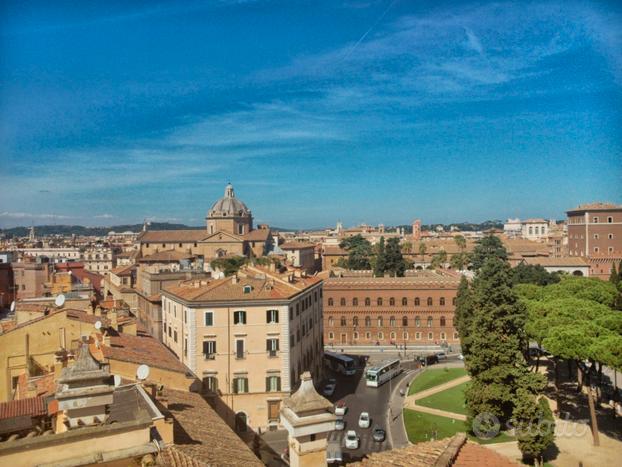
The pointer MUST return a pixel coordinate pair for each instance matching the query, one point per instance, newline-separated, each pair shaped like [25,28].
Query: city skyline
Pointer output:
[374,112]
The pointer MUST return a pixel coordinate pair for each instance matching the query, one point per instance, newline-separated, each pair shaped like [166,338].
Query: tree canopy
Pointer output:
[489,246]
[359,252]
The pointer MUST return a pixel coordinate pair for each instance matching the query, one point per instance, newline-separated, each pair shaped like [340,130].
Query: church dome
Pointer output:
[228,205]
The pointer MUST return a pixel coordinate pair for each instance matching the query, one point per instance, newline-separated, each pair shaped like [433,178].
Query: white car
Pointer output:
[340,425]
[340,408]
[329,389]
[352,440]
[460,357]
[364,420]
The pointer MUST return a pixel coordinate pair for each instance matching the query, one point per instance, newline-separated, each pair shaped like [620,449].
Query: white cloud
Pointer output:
[29,215]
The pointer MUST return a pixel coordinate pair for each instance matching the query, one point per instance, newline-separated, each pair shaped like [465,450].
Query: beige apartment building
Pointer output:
[248,337]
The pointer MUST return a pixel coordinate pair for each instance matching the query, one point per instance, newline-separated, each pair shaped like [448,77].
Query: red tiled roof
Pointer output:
[33,406]
[297,245]
[257,235]
[142,349]
[474,455]
[123,270]
[596,207]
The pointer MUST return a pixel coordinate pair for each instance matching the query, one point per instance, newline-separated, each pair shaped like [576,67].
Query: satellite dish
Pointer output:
[142,372]
[13,306]
[60,300]
[98,325]
[117,381]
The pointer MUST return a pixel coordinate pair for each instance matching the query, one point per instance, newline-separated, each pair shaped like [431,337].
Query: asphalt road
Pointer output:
[361,398]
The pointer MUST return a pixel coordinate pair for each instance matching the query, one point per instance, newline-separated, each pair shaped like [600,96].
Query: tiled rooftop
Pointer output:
[417,279]
[201,437]
[167,255]
[264,285]
[172,236]
[33,407]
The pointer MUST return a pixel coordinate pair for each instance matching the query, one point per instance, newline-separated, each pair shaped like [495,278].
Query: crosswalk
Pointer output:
[366,441]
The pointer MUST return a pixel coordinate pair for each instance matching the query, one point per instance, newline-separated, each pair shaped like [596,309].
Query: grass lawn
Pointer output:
[451,400]
[433,377]
[422,426]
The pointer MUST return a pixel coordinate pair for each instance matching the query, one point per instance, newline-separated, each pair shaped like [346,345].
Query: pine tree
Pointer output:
[463,316]
[614,277]
[394,261]
[380,261]
[496,339]
[487,247]
[534,426]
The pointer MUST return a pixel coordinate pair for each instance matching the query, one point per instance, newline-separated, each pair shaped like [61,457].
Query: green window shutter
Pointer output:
[267,384]
[278,383]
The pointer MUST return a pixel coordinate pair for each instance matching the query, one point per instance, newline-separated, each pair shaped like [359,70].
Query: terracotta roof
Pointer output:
[263,286]
[40,385]
[172,236]
[596,207]
[331,250]
[568,261]
[257,235]
[167,255]
[6,325]
[201,437]
[414,279]
[297,245]
[33,407]
[142,349]
[454,451]
[30,307]
[123,270]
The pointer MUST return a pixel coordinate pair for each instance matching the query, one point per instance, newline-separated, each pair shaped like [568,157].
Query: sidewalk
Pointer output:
[397,432]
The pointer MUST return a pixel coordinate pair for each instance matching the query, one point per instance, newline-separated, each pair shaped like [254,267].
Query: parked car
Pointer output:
[379,434]
[329,389]
[364,420]
[460,357]
[352,440]
[340,424]
[441,356]
[341,408]
[334,454]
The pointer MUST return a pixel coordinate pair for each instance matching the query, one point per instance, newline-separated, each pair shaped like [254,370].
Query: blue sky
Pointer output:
[359,111]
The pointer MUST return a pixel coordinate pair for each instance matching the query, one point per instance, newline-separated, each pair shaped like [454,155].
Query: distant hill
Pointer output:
[463,226]
[46,230]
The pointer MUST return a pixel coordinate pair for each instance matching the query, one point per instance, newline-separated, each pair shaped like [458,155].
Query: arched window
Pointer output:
[417,301]
[404,301]
[368,335]
[455,335]
[443,322]
[392,321]
[343,321]
[443,336]
[429,321]
[355,301]
[393,336]
[342,302]
[380,335]
[379,321]
[417,321]
[430,336]
[405,335]
[367,301]
[418,335]
[442,301]
[404,320]
[331,336]
[367,321]
[392,301]
[330,321]
[240,422]
[379,301]
[355,321]
[429,301]
[355,335]
[330,302]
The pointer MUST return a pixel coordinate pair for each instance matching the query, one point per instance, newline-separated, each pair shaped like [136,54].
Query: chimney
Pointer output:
[114,323]
[234,279]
